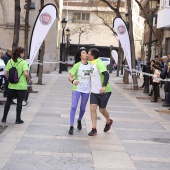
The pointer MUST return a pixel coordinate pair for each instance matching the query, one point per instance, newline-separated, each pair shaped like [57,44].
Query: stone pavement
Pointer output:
[138,140]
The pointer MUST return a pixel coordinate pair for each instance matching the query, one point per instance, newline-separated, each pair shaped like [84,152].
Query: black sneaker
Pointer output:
[19,122]
[93,132]
[71,130]
[3,120]
[108,126]
[79,126]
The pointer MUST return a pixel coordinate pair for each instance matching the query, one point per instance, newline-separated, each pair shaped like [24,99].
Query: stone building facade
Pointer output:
[7,30]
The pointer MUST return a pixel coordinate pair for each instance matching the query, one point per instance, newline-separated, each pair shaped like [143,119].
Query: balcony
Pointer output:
[163,14]
[163,17]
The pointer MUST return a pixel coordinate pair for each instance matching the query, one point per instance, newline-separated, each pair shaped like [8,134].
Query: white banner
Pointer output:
[42,25]
[123,35]
[115,56]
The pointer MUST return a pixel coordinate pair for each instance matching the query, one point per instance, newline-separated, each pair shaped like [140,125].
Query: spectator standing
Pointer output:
[166,74]
[17,89]
[155,82]
[2,68]
[6,57]
[139,66]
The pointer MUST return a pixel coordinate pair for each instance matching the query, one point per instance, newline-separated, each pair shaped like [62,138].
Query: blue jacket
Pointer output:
[6,57]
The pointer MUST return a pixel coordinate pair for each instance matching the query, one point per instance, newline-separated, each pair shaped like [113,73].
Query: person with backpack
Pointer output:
[16,72]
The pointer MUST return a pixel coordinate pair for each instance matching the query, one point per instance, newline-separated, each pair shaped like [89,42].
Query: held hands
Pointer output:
[75,82]
[103,89]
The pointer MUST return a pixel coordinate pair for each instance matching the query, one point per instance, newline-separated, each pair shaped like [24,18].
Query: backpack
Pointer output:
[13,74]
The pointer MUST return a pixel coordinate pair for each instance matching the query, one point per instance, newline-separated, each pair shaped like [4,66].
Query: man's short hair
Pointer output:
[156,56]
[95,52]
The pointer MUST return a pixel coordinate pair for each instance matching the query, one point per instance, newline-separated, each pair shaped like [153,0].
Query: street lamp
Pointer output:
[152,6]
[63,22]
[67,46]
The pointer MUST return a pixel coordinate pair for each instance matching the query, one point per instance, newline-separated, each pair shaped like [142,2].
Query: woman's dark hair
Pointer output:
[152,61]
[78,54]
[16,53]
[95,52]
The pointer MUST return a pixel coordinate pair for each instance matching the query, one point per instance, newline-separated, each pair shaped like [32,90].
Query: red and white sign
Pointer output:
[42,25]
[122,33]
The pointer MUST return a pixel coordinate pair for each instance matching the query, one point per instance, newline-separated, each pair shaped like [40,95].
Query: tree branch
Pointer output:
[118,4]
[146,17]
[114,33]
[116,10]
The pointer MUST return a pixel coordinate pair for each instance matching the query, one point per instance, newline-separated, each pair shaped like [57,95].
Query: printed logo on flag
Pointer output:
[45,18]
[121,29]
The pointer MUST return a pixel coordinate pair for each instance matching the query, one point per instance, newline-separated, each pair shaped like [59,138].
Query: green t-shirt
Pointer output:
[97,78]
[81,73]
[22,66]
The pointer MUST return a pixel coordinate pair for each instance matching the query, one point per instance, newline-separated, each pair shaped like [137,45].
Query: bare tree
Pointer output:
[16,24]
[134,77]
[28,2]
[115,35]
[117,11]
[80,32]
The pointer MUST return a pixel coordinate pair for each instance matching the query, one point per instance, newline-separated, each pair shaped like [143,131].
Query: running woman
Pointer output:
[100,90]
[80,78]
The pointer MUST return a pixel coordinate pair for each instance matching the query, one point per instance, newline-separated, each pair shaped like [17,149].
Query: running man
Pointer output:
[100,90]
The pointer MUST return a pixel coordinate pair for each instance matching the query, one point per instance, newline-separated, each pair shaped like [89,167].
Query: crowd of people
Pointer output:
[160,70]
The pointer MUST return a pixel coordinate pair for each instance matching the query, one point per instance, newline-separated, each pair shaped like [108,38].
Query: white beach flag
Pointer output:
[123,35]
[115,56]
[42,25]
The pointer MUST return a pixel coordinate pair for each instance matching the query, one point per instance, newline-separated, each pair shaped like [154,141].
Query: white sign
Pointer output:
[123,35]
[115,56]
[42,25]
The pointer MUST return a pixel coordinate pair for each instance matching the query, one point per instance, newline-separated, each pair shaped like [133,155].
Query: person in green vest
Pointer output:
[80,78]
[16,89]
[100,90]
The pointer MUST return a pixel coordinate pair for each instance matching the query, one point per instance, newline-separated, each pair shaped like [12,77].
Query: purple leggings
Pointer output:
[75,98]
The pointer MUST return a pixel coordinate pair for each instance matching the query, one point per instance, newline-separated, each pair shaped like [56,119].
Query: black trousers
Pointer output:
[6,86]
[11,94]
[155,90]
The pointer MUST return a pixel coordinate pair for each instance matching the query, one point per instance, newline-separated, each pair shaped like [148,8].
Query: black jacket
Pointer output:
[164,75]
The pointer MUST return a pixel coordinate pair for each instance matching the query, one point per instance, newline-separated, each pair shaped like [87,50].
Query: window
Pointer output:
[164,3]
[81,17]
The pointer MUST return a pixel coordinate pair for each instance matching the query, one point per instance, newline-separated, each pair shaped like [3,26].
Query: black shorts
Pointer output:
[100,99]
